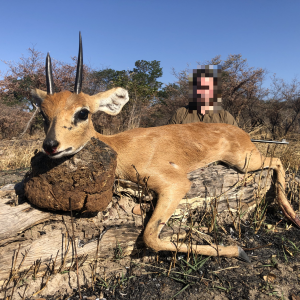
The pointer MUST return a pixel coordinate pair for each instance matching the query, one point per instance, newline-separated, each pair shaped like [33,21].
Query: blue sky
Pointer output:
[116,33]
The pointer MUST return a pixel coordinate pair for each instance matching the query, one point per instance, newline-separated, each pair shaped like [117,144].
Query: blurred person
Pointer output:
[205,102]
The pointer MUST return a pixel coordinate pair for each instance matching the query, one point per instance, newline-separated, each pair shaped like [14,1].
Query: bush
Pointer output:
[12,121]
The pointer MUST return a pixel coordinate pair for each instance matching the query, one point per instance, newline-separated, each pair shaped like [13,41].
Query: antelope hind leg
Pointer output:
[169,198]
[257,162]
[283,202]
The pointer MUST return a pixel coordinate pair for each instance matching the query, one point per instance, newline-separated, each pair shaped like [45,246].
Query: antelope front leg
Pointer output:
[169,198]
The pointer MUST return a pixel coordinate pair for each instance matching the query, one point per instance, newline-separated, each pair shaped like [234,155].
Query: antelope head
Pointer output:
[67,116]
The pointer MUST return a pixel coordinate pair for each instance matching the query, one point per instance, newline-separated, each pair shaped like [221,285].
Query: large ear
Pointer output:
[111,101]
[38,96]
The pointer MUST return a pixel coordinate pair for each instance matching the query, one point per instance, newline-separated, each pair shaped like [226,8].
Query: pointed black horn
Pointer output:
[49,78]
[78,81]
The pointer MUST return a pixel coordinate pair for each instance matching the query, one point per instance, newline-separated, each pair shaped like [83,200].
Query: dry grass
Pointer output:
[289,154]
[290,158]
[17,154]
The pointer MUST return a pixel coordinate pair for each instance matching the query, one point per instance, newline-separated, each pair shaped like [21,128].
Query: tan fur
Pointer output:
[165,153]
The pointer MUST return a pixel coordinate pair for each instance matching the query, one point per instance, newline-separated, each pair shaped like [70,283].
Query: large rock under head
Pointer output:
[85,179]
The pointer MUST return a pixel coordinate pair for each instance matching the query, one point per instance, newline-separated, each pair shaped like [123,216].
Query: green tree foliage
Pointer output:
[141,82]
[145,75]
[142,85]
[103,80]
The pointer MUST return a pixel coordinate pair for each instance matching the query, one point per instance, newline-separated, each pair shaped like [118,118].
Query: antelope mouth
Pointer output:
[60,153]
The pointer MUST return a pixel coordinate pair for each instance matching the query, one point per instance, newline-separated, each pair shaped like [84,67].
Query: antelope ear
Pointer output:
[111,102]
[39,96]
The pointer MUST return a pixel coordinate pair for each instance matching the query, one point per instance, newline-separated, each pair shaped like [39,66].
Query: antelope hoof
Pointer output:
[243,256]
[291,216]
[296,221]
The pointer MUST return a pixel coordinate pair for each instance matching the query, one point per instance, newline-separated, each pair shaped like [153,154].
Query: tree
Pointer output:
[283,107]
[142,85]
[103,80]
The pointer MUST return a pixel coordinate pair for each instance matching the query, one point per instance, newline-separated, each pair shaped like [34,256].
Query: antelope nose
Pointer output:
[50,146]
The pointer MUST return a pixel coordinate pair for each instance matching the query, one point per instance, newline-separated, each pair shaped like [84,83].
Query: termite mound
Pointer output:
[84,180]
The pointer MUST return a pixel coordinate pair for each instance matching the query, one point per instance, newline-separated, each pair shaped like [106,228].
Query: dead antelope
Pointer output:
[164,154]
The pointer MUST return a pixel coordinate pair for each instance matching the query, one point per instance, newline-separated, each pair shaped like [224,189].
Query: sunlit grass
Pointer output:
[14,155]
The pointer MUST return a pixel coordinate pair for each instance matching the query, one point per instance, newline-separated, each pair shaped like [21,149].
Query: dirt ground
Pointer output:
[12,176]
[274,271]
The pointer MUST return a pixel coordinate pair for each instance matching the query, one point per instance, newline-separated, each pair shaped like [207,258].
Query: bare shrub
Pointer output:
[172,97]
[29,73]
[283,107]
[12,121]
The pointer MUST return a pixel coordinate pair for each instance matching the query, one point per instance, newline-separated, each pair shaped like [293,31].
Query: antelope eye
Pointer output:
[83,114]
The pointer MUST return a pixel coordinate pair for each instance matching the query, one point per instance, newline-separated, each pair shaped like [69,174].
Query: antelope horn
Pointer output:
[78,81]
[49,78]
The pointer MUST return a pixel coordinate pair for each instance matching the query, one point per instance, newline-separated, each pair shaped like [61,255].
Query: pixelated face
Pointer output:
[205,87]
[204,91]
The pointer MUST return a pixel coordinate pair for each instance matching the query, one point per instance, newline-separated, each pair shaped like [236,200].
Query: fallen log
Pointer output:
[219,183]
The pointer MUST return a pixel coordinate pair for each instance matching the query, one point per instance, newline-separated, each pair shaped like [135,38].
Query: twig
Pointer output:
[230,212]
[75,248]
[42,287]
[64,254]
[29,122]
[259,247]
[54,263]
[20,278]
[24,292]
[14,271]
[214,209]
[37,265]
[235,267]
[96,261]
[174,271]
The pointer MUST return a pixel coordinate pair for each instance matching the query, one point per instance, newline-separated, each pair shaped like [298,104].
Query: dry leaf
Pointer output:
[271,227]
[206,283]
[288,251]
[270,277]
